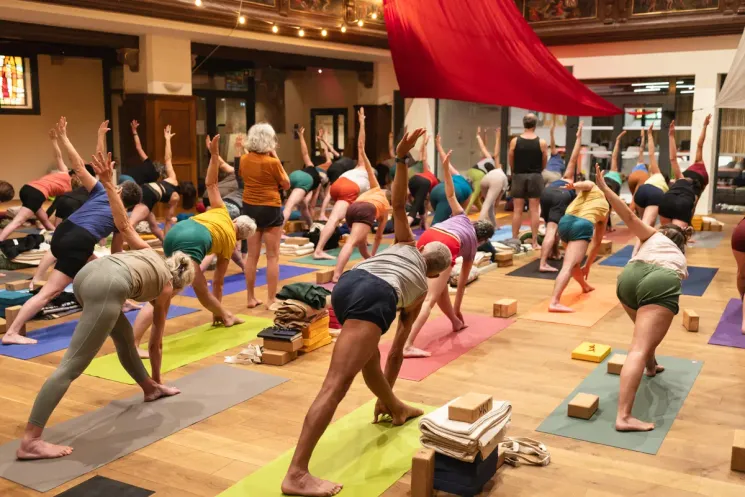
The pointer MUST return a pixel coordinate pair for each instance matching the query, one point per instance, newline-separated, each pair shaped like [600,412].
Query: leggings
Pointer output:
[492,186]
[419,188]
[101,287]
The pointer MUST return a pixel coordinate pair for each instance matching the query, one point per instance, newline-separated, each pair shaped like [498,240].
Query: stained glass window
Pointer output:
[15,83]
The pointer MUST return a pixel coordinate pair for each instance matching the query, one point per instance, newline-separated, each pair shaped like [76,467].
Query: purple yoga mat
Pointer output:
[729,329]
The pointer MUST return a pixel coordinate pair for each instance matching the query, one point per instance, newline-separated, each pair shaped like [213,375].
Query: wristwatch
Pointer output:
[399,160]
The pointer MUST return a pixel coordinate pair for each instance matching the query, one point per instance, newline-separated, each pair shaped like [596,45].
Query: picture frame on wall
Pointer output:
[543,11]
[665,7]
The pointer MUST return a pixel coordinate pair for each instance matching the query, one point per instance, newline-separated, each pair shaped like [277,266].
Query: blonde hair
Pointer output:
[182,270]
[437,256]
[261,138]
[245,227]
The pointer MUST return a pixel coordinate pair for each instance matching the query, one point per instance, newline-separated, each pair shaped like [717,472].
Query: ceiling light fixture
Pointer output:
[374,15]
[242,19]
[646,90]
[360,23]
[198,3]
[320,71]
[301,33]
[343,29]
[661,83]
[688,91]
[275,29]
[324,32]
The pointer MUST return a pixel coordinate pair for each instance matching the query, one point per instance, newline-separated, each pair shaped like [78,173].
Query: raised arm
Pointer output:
[673,152]
[616,153]
[553,138]
[371,176]
[484,152]
[448,179]
[76,162]
[498,147]
[211,179]
[702,139]
[511,154]
[101,142]
[59,162]
[105,170]
[572,166]
[654,168]
[391,148]
[400,191]
[138,145]
[168,159]
[642,144]
[452,170]
[544,153]
[423,154]
[640,229]
[322,139]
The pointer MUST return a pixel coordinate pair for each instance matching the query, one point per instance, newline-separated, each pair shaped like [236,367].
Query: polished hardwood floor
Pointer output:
[528,364]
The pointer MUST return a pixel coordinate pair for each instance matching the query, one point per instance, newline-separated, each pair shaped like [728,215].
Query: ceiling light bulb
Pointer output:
[242,20]
[320,71]
[324,32]
[301,33]
[360,23]
[275,29]
[198,3]
[343,29]
[374,15]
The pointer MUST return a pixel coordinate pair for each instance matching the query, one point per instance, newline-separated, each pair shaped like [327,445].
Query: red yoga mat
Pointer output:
[437,337]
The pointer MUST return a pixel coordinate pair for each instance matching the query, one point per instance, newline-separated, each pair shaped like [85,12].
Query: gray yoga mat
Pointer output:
[125,426]
[707,239]
[658,401]
[11,276]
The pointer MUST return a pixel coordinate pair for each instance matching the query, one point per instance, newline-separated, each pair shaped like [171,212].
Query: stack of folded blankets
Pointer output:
[312,324]
[296,246]
[465,434]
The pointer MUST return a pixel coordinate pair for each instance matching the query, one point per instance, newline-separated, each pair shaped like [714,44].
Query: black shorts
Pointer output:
[31,198]
[613,185]
[527,185]
[149,197]
[679,207]
[361,212]
[363,296]
[169,190]
[65,206]
[554,203]
[265,216]
[72,246]
[145,173]
[340,167]
[648,195]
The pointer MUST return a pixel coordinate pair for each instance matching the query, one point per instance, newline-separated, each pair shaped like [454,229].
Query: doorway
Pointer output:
[334,124]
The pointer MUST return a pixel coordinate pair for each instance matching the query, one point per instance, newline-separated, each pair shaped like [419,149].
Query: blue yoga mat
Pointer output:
[698,280]
[620,258]
[237,282]
[503,233]
[57,337]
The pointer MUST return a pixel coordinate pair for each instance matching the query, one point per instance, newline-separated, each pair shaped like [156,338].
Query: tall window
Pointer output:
[17,85]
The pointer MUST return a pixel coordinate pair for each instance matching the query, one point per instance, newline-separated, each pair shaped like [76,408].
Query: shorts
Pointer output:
[678,207]
[437,235]
[527,186]
[361,212]
[738,237]
[150,197]
[169,190]
[234,210]
[72,246]
[648,195]
[550,176]
[302,180]
[266,216]
[345,189]
[641,284]
[31,198]
[554,203]
[613,185]
[636,179]
[363,296]
[573,228]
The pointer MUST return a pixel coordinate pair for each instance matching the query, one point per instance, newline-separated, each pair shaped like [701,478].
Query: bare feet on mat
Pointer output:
[254,302]
[545,268]
[406,413]
[559,308]
[323,256]
[17,339]
[306,484]
[231,319]
[652,369]
[459,325]
[39,449]
[143,353]
[413,352]
[160,392]
[632,424]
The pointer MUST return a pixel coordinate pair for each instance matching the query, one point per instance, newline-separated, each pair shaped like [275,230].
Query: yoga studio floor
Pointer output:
[527,363]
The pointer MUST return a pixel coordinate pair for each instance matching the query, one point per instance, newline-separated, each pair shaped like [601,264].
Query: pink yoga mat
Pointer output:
[437,337]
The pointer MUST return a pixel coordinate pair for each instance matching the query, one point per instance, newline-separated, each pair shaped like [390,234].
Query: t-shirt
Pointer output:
[148,270]
[262,175]
[613,175]
[590,205]
[95,214]
[189,237]
[433,181]
[376,196]
[661,251]
[53,184]
[658,180]
[402,267]
[461,227]
[221,228]
[462,188]
[359,176]
[556,164]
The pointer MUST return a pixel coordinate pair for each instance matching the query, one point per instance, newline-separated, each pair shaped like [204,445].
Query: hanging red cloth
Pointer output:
[481,51]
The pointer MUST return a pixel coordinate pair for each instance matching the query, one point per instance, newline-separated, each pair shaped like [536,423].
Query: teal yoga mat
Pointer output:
[658,400]
[308,259]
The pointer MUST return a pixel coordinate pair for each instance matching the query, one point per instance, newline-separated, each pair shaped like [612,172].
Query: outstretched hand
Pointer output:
[620,135]
[408,142]
[671,129]
[62,127]
[579,129]
[361,115]
[650,129]
[104,128]
[167,133]
[104,168]
[600,180]
[446,160]
[213,144]
[239,140]
[707,120]
[52,134]
[134,125]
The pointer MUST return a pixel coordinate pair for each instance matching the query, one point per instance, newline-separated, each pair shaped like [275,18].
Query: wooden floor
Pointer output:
[528,364]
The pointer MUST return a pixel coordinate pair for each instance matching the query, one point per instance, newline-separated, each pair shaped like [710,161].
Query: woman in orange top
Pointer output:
[371,206]
[263,177]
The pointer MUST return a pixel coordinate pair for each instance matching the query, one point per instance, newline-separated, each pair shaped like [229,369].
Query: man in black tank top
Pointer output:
[527,159]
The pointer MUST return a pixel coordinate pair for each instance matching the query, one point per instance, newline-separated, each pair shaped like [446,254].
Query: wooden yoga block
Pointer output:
[615,363]
[606,247]
[297,240]
[284,345]
[324,276]
[470,407]
[738,451]
[583,406]
[593,352]
[3,327]
[15,286]
[317,345]
[717,227]
[505,308]
[11,313]
[294,226]
[690,320]
[422,473]
[277,357]
[39,284]
[500,459]
[706,226]
[503,256]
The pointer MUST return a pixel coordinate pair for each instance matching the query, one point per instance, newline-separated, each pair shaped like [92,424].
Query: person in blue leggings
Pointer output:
[437,197]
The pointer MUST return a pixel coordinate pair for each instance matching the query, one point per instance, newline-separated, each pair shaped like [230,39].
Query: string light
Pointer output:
[324,32]
[198,3]
[301,33]
[374,15]
[242,19]
[275,29]
[360,23]
[343,29]
[320,71]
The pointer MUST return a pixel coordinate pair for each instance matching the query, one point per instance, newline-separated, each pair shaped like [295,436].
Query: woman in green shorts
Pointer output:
[649,288]
[304,185]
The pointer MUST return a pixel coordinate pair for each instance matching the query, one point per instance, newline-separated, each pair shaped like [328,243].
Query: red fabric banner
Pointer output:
[481,51]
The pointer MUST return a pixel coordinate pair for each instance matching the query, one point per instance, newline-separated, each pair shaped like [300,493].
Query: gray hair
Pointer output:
[245,227]
[182,270]
[437,256]
[484,230]
[261,138]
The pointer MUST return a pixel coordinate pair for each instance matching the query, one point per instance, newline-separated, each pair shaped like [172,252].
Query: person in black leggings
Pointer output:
[420,185]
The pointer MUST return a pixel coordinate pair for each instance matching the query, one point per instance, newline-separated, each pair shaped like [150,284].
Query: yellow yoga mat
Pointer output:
[589,308]
[365,458]
[184,348]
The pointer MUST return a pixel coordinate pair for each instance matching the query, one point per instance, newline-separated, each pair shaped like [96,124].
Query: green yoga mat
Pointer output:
[308,259]
[184,348]
[658,401]
[365,458]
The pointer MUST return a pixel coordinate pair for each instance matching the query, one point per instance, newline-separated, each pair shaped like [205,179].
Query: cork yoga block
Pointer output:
[690,320]
[470,407]
[505,308]
[422,473]
[583,406]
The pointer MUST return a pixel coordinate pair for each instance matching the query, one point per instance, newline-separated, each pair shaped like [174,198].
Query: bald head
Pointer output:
[530,121]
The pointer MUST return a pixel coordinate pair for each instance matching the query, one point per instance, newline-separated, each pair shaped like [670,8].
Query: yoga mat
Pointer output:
[620,258]
[125,426]
[366,458]
[438,338]
[707,239]
[417,233]
[57,337]
[100,486]
[308,259]
[530,270]
[237,282]
[620,235]
[184,348]
[729,330]
[589,308]
[658,401]
[11,276]
[698,280]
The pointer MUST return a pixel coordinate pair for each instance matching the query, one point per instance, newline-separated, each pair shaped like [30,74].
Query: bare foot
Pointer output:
[587,288]
[270,303]
[231,320]
[405,414]
[459,325]
[536,246]
[39,449]
[632,424]
[413,352]
[160,392]
[131,306]
[16,339]
[545,268]
[254,302]
[651,373]
[323,255]
[559,308]
[143,353]
[306,484]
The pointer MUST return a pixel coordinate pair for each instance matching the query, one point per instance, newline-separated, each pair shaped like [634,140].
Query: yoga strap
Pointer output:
[520,450]
[249,355]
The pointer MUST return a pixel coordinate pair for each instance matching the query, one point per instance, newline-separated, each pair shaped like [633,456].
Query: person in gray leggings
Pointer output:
[102,287]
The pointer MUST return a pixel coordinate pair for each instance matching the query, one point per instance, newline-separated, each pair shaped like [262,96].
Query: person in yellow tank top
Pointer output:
[582,226]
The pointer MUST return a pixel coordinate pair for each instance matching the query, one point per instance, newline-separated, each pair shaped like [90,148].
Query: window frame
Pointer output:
[33,67]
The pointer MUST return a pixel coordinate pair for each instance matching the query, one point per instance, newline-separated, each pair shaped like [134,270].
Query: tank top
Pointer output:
[358,175]
[402,267]
[528,156]
[658,180]
[53,185]
[660,251]
[148,270]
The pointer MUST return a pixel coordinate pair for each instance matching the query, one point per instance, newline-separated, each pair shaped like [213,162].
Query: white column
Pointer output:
[421,114]
[703,104]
